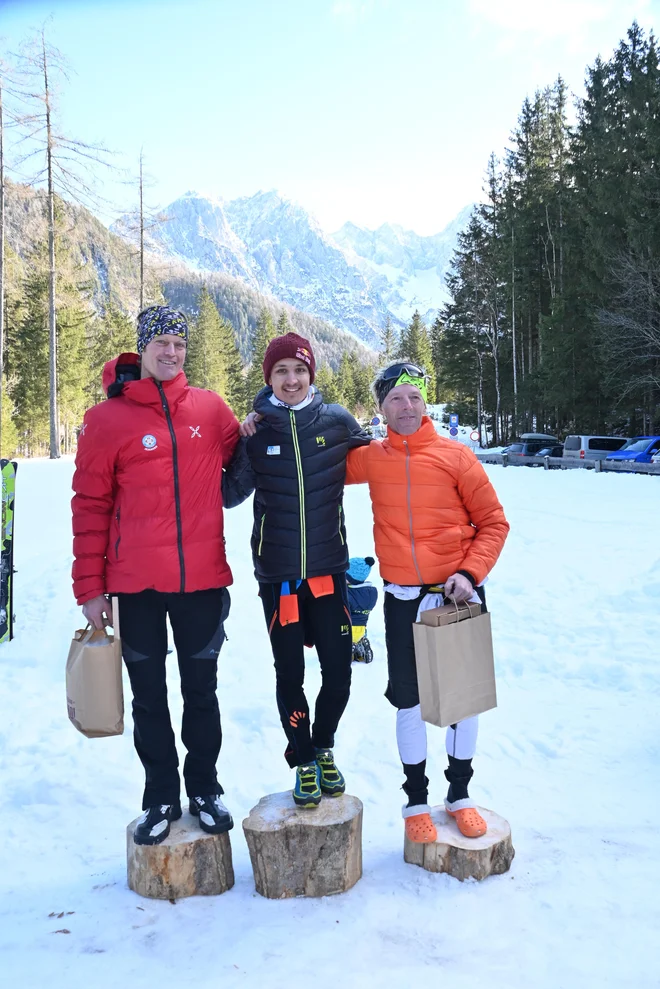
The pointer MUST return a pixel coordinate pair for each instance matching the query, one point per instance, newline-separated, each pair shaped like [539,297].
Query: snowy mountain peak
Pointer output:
[408,270]
[355,279]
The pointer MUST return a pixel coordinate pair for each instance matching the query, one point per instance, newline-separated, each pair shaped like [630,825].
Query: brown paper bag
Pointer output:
[455,668]
[94,691]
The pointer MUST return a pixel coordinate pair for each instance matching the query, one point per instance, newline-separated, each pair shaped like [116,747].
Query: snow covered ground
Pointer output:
[571,757]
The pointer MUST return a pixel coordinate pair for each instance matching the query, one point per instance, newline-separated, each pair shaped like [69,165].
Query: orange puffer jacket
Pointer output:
[435,511]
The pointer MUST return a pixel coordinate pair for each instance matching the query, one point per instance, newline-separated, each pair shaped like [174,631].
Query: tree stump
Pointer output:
[296,852]
[460,857]
[189,862]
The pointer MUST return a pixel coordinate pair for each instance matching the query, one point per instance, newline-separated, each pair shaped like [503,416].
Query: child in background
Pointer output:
[362,597]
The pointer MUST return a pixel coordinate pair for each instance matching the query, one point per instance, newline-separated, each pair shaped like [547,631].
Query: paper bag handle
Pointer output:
[89,630]
[468,603]
[115,617]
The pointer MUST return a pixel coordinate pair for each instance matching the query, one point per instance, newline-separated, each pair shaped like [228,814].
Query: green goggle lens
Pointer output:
[407,379]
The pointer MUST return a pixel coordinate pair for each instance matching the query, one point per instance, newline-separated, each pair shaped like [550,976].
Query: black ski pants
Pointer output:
[197,619]
[326,623]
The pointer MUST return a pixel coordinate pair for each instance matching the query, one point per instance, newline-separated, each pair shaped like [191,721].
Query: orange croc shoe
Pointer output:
[419,826]
[468,819]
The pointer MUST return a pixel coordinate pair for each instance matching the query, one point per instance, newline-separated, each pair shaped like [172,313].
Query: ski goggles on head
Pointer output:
[407,374]
[404,367]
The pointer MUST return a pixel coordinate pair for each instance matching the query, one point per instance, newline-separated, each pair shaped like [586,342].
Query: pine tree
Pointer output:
[326,382]
[283,324]
[415,346]
[388,341]
[263,334]
[30,393]
[111,334]
[213,360]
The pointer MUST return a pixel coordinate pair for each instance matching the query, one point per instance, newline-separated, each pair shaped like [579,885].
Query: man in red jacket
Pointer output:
[148,528]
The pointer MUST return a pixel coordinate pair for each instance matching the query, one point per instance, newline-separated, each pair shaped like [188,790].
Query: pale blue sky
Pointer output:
[368,110]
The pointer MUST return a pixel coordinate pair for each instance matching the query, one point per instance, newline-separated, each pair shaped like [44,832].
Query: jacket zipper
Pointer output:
[410,519]
[340,532]
[301,497]
[261,534]
[117,517]
[177,498]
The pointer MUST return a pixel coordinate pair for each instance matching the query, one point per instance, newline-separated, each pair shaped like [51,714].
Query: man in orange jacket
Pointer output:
[438,528]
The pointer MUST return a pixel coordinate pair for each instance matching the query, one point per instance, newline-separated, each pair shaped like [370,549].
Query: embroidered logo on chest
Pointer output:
[320,440]
[149,441]
[195,431]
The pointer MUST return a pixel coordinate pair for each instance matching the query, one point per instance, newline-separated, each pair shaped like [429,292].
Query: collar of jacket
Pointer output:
[425,435]
[145,391]
[278,415]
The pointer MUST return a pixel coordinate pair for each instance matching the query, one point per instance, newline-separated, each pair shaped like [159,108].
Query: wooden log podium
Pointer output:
[189,862]
[296,852]
[460,857]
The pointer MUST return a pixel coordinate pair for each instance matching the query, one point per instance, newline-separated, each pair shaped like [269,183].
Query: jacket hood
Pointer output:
[124,374]
[131,361]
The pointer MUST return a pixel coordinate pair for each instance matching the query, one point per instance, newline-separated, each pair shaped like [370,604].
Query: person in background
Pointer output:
[439,529]
[362,598]
[148,528]
[293,457]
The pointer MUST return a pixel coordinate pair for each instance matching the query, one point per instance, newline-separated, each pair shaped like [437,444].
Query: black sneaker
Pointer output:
[214,818]
[154,825]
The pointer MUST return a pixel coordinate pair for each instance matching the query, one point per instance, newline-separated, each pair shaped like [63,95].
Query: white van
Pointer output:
[593,447]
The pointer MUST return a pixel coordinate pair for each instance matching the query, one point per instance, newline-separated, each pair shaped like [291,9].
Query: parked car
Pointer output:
[529,444]
[552,451]
[593,447]
[639,450]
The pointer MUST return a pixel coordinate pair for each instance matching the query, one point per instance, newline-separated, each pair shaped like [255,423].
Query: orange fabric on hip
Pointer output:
[321,586]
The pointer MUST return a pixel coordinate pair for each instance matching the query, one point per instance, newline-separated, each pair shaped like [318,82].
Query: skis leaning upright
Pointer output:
[8,468]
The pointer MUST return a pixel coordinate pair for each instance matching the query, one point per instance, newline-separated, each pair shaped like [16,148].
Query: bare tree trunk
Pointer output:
[52,322]
[141,232]
[513,329]
[480,396]
[2,260]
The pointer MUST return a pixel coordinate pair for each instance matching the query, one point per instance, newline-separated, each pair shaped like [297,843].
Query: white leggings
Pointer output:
[461,741]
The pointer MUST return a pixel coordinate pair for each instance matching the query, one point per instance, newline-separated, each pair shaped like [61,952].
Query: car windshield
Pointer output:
[515,448]
[637,446]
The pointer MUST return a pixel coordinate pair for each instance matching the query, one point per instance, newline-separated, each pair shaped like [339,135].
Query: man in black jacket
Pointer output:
[295,462]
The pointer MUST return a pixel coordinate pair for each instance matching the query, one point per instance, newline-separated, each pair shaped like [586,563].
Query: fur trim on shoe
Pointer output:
[466,804]
[414,810]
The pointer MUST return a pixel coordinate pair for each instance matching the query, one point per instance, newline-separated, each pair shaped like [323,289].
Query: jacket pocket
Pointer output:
[118,540]
[261,534]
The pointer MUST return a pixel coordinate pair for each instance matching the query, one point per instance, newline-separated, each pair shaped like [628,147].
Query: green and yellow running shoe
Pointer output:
[332,781]
[307,791]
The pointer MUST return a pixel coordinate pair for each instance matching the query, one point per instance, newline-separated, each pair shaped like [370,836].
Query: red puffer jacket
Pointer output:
[147,509]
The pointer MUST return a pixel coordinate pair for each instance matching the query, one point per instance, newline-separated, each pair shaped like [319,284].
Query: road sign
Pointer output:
[474,436]
[453,419]
[375,421]
[453,431]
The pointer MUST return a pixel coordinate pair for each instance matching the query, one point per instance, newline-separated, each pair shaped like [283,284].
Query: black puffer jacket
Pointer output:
[296,465]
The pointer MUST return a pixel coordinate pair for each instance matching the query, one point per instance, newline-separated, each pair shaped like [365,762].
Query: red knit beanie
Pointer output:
[289,345]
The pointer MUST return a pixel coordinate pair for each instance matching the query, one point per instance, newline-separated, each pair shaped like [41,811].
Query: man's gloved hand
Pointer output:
[458,588]
[98,611]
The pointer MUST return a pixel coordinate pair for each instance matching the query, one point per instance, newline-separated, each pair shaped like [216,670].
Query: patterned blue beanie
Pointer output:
[359,568]
[158,320]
